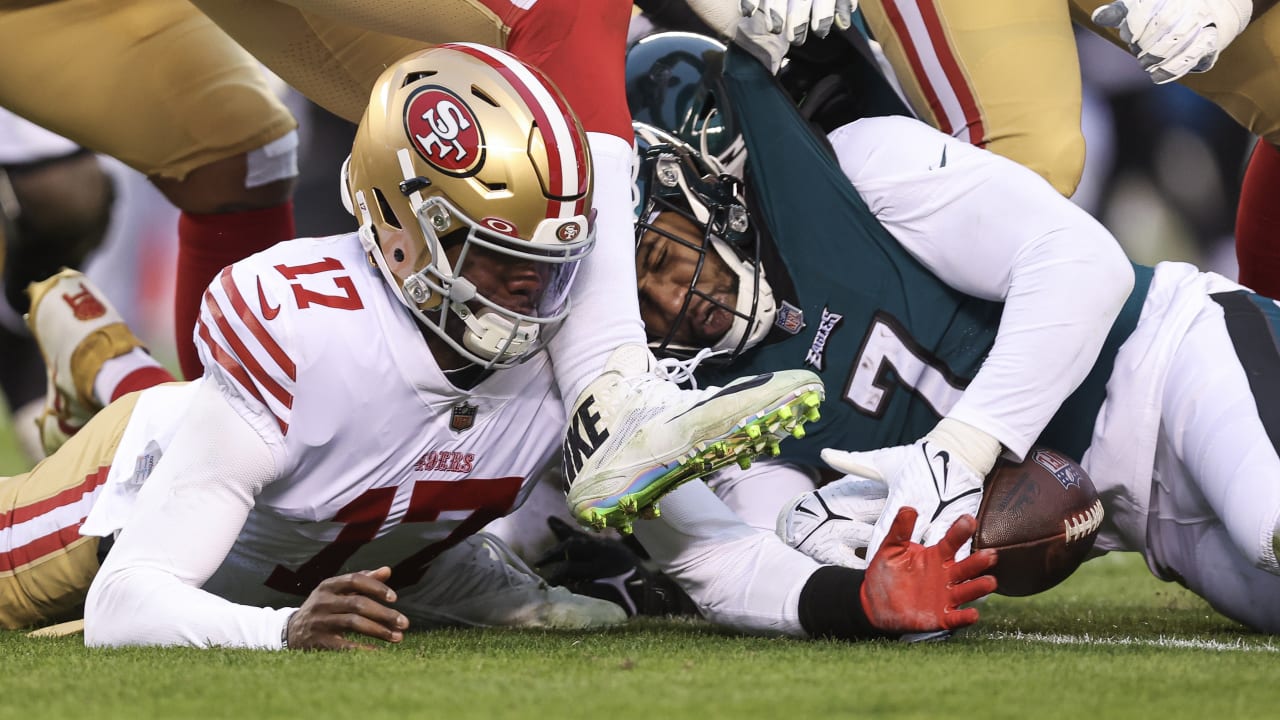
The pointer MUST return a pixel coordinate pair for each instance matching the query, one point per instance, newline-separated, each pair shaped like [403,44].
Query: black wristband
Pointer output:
[831,605]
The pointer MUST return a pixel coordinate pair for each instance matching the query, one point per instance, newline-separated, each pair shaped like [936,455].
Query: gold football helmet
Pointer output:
[465,147]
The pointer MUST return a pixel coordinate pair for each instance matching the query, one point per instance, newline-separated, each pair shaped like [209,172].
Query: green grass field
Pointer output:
[1111,642]
[11,459]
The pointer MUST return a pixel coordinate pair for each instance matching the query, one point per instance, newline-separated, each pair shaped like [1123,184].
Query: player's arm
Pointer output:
[183,524]
[185,520]
[992,229]
[193,506]
[748,580]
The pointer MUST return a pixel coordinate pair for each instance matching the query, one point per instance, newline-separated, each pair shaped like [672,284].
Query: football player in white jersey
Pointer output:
[1017,325]
[333,50]
[343,423]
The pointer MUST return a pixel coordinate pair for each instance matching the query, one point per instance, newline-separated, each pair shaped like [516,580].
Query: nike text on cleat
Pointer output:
[77,331]
[635,435]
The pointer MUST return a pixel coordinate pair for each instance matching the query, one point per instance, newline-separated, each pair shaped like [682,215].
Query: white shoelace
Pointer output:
[680,371]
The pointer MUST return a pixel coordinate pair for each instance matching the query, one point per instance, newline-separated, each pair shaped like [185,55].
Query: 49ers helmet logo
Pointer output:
[444,131]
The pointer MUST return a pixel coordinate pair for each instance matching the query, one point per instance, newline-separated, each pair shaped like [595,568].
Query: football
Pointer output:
[1041,516]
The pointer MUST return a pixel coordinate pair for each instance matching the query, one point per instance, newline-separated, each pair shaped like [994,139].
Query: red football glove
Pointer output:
[911,588]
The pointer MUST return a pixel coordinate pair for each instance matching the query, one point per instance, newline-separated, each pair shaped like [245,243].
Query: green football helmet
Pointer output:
[673,83]
[672,177]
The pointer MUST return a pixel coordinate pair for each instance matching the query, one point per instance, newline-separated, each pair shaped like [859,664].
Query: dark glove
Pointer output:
[609,570]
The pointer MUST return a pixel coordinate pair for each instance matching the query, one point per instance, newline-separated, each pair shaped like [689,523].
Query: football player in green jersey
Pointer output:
[958,308]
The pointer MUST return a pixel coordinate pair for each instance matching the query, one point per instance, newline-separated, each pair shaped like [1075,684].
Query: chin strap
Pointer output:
[487,332]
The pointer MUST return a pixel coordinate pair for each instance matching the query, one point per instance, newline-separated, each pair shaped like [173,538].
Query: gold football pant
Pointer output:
[1004,74]
[333,51]
[46,566]
[153,83]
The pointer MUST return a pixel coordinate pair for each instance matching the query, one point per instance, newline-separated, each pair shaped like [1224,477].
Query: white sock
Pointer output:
[606,310]
[117,369]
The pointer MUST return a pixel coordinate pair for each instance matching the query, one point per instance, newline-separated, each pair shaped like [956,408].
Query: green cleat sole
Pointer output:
[753,437]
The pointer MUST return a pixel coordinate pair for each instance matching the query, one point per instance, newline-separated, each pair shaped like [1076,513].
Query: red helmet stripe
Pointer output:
[565,151]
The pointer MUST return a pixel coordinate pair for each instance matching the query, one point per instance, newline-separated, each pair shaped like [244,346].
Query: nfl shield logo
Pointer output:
[790,318]
[1059,466]
[464,416]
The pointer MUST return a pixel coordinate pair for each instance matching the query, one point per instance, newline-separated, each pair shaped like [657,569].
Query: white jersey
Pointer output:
[377,459]
[321,358]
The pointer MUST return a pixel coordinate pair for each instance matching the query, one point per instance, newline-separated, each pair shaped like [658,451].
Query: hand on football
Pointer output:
[1171,38]
[351,603]
[910,588]
[833,524]
[924,476]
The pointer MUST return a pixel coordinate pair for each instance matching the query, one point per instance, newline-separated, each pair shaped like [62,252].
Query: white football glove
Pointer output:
[1171,38]
[766,28]
[940,475]
[833,524]
[794,19]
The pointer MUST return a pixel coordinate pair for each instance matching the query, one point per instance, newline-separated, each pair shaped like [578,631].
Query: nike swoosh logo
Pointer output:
[940,484]
[754,382]
[268,312]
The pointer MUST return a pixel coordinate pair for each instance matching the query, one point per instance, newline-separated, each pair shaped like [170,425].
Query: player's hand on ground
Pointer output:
[833,524]
[354,603]
[604,568]
[910,588]
[1171,38]
[923,475]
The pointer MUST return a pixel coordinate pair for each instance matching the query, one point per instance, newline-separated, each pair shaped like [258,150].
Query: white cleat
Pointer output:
[635,435]
[77,331]
[481,582]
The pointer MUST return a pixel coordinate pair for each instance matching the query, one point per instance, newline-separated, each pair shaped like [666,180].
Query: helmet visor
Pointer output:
[526,280]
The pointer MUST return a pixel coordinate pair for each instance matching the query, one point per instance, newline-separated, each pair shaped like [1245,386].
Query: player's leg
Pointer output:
[1258,221]
[56,199]
[758,495]
[332,62]
[46,566]
[1187,543]
[481,582]
[55,203]
[1220,420]
[91,357]
[158,86]
[1246,83]
[1002,74]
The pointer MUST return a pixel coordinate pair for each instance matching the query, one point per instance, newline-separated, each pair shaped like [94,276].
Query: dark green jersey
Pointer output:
[894,345]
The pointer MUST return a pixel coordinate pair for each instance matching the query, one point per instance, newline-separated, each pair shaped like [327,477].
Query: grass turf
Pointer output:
[1110,642]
